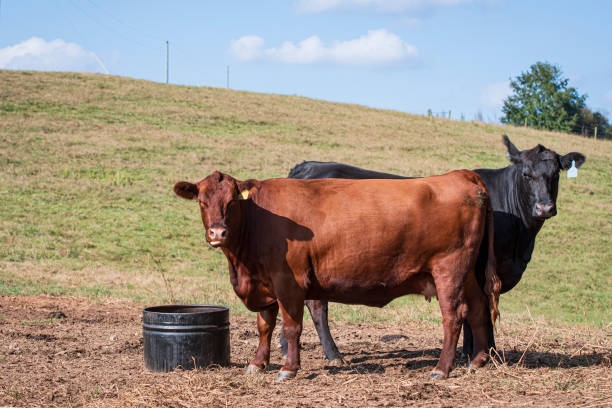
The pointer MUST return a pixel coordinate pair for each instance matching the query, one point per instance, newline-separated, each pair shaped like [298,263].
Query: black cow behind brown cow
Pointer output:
[523,196]
[352,241]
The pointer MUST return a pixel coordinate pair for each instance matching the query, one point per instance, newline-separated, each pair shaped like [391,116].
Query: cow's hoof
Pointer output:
[337,362]
[285,375]
[253,369]
[437,375]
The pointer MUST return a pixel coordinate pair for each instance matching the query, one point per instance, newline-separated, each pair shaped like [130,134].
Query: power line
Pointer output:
[156,39]
[106,24]
[135,29]
[109,27]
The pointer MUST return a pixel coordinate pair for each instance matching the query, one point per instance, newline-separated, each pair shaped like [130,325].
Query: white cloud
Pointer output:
[383,6]
[57,55]
[246,48]
[493,95]
[377,47]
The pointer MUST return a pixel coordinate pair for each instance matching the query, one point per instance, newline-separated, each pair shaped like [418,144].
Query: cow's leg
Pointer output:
[266,320]
[319,311]
[451,321]
[451,297]
[490,336]
[468,341]
[292,315]
[477,318]
[283,342]
[468,338]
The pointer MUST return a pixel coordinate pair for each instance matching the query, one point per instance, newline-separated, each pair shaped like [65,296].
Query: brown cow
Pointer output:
[352,241]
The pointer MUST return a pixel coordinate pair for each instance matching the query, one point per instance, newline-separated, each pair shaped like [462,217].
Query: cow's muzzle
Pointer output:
[545,210]
[217,235]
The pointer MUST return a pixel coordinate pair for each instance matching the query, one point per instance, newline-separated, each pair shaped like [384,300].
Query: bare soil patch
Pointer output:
[62,351]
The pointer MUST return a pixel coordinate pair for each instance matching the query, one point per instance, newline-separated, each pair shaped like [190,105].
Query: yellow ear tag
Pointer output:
[244,194]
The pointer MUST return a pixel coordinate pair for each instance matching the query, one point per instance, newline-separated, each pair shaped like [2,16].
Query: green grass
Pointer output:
[87,165]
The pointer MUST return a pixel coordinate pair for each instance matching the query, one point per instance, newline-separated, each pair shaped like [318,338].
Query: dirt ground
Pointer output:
[61,351]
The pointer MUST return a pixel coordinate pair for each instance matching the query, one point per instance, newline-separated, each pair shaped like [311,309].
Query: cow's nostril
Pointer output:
[215,234]
[543,209]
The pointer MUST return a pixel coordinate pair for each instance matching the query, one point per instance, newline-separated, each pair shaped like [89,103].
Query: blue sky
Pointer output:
[407,55]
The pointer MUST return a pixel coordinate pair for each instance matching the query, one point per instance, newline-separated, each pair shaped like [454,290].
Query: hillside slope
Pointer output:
[88,163]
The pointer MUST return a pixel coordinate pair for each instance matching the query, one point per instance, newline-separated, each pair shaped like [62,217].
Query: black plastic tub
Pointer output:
[188,336]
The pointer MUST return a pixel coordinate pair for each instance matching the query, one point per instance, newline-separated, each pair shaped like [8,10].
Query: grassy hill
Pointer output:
[87,165]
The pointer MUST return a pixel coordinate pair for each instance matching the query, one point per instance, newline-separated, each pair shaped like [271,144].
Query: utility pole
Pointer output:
[227,77]
[167,61]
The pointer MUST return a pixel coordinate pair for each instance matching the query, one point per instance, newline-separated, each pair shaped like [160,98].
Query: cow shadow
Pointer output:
[368,361]
[268,237]
[547,359]
[265,224]
[371,362]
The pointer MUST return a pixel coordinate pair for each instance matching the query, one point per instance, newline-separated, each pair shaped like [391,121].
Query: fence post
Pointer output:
[525,122]
[595,134]
[449,113]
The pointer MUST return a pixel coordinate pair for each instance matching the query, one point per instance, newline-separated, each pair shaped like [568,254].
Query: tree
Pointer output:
[589,120]
[601,123]
[542,99]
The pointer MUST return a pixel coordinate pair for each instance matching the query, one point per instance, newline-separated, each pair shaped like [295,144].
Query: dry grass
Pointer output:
[62,351]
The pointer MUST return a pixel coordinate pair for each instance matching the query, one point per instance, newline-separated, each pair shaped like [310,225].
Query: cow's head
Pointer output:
[218,196]
[538,173]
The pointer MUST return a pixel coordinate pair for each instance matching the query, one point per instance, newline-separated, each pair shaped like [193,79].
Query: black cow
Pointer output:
[523,196]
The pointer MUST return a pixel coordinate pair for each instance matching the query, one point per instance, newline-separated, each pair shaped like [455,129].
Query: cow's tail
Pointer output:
[492,286]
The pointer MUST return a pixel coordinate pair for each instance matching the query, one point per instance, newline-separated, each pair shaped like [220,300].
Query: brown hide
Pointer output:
[348,241]
[364,242]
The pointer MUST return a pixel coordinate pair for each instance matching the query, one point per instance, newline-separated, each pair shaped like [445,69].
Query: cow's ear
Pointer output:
[514,154]
[566,161]
[188,191]
[246,189]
